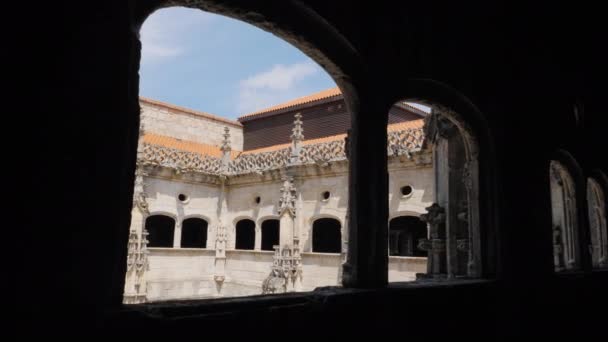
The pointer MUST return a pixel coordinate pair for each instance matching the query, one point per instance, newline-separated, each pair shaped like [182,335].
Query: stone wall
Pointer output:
[180,273]
[189,126]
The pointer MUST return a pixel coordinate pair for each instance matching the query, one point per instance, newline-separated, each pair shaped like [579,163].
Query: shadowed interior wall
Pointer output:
[513,71]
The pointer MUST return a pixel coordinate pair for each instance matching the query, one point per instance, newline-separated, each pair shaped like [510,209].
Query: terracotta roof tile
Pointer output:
[185,145]
[299,101]
[412,124]
[190,111]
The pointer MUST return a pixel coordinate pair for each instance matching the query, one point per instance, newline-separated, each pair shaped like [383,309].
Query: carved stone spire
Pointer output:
[139,192]
[287,201]
[226,148]
[296,138]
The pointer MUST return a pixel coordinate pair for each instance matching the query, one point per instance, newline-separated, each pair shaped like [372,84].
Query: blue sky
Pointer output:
[220,65]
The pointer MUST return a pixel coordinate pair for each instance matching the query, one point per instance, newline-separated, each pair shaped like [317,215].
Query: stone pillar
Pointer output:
[435,245]
[220,259]
[258,237]
[177,233]
[367,258]
[137,257]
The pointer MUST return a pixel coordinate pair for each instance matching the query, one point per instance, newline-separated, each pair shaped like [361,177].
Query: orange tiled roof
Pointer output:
[301,100]
[184,145]
[190,111]
[412,124]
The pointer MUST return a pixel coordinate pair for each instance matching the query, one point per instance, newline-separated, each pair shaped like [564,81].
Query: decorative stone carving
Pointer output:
[180,161]
[137,265]
[297,137]
[406,142]
[322,154]
[436,244]
[462,245]
[226,149]
[286,268]
[287,202]
[558,249]
[598,224]
[564,212]
[139,193]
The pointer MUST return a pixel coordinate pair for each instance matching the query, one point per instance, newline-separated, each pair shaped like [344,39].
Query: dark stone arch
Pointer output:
[404,234]
[194,233]
[160,230]
[270,234]
[245,234]
[326,236]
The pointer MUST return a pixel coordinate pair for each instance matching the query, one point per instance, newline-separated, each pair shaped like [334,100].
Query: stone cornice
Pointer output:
[403,145]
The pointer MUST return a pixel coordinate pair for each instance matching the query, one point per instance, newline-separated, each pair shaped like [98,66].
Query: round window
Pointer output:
[257,199]
[406,190]
[183,198]
[325,195]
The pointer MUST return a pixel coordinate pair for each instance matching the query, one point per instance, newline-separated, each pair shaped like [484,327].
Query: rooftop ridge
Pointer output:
[190,111]
[307,99]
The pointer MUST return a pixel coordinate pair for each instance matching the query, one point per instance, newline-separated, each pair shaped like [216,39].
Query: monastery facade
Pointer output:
[259,205]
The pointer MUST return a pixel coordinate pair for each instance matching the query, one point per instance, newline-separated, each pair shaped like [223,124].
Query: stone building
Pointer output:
[222,207]
[529,80]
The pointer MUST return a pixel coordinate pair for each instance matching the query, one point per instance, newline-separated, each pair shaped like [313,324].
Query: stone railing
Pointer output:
[258,162]
[400,143]
[180,161]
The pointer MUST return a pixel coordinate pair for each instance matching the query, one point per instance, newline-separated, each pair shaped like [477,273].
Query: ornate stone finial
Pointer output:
[297,131]
[296,138]
[226,141]
[287,202]
[139,193]
[226,149]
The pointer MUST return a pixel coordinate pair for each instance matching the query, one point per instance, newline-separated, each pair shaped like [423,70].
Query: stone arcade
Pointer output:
[272,217]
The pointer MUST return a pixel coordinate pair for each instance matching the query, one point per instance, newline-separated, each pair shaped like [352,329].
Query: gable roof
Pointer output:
[412,124]
[328,94]
[184,145]
[189,111]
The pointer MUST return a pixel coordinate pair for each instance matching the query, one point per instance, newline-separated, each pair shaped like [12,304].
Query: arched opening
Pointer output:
[270,234]
[596,206]
[565,220]
[160,230]
[194,233]
[326,236]
[245,234]
[405,233]
[433,169]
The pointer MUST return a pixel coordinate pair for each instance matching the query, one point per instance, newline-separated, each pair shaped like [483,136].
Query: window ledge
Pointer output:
[222,306]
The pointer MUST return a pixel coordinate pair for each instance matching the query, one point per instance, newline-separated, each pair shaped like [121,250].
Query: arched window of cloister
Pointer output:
[405,232]
[194,233]
[160,230]
[270,234]
[245,234]
[566,254]
[596,205]
[326,236]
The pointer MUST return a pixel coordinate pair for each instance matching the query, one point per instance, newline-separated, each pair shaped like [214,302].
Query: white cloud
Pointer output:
[271,87]
[164,34]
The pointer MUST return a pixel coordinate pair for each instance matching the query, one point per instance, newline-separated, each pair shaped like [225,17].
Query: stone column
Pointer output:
[221,232]
[137,257]
[177,233]
[258,237]
[367,260]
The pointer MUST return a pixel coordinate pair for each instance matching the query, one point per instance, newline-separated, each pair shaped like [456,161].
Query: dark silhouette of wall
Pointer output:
[514,72]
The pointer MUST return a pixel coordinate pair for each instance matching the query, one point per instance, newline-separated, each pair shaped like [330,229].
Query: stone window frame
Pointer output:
[176,224]
[600,180]
[345,69]
[202,217]
[312,221]
[569,163]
